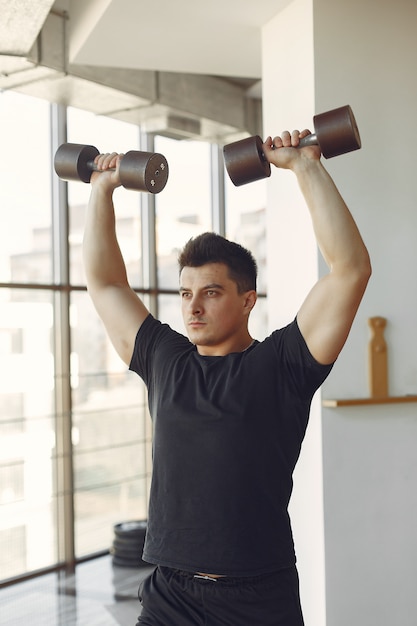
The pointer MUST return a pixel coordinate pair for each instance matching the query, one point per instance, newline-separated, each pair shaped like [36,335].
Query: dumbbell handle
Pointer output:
[308,140]
[93,167]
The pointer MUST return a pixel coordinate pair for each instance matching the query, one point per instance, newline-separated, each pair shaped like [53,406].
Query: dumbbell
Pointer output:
[335,132]
[142,171]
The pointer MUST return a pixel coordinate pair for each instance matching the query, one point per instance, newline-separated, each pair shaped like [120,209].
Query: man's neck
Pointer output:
[226,348]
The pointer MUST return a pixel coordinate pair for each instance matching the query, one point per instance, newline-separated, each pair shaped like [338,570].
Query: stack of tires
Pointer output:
[128,541]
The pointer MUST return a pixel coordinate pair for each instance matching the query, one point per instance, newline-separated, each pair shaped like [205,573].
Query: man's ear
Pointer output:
[250,300]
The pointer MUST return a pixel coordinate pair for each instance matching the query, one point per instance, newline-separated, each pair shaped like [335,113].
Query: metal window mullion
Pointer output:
[148,233]
[62,350]
[218,210]
[149,281]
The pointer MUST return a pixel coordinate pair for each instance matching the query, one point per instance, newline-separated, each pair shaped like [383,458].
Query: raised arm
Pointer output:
[119,307]
[327,314]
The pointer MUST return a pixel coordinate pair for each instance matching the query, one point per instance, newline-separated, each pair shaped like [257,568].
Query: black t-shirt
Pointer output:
[227,433]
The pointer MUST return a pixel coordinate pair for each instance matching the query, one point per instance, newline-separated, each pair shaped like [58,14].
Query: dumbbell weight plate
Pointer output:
[337,132]
[245,161]
[144,171]
[73,161]
[131,530]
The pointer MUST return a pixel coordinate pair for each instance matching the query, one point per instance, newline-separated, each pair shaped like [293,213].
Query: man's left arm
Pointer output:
[327,313]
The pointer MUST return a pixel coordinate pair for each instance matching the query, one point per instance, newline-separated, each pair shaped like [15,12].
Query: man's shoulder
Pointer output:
[155,332]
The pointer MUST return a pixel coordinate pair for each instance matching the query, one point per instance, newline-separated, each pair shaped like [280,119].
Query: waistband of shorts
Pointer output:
[229,580]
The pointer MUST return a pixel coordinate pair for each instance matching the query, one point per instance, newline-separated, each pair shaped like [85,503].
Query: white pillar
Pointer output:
[288,97]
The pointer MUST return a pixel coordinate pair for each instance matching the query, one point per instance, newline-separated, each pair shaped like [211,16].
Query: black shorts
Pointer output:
[172,597]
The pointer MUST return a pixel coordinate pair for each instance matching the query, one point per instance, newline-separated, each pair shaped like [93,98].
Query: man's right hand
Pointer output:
[108,177]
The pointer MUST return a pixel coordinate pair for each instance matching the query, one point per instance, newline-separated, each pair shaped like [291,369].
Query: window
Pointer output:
[28,489]
[107,135]
[108,403]
[75,437]
[183,209]
[246,224]
[28,494]
[25,190]
[246,221]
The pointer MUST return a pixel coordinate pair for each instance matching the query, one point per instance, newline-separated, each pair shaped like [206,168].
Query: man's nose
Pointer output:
[195,305]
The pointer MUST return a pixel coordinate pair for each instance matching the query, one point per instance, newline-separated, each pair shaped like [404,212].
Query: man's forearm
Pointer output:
[103,261]
[336,232]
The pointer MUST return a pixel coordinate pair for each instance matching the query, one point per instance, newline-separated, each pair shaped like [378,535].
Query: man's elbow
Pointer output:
[363,269]
[355,271]
[367,265]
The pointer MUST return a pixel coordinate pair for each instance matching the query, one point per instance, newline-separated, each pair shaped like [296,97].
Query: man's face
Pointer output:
[214,313]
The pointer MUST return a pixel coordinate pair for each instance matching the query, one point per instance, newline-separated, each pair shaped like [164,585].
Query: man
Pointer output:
[229,412]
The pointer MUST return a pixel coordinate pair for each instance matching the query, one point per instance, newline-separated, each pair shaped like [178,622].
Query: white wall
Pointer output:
[366,52]
[365,55]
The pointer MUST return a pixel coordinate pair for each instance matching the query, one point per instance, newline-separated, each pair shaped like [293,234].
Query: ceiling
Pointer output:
[192,61]
[21,22]
[216,37]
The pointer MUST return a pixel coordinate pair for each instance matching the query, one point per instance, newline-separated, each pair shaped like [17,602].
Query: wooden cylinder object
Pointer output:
[378,358]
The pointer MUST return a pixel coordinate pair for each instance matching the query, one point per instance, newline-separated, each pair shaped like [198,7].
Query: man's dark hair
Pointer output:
[213,248]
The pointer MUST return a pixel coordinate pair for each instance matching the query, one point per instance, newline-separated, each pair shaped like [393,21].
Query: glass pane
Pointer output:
[246,221]
[107,135]
[169,308]
[183,208]
[25,190]
[111,438]
[258,321]
[28,498]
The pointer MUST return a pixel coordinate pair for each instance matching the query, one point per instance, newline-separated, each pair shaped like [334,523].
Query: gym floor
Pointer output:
[98,594]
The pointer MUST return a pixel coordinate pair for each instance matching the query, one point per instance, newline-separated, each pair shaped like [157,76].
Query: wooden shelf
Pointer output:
[365,401]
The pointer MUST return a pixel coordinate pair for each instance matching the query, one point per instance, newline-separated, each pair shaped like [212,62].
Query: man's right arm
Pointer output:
[119,307]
